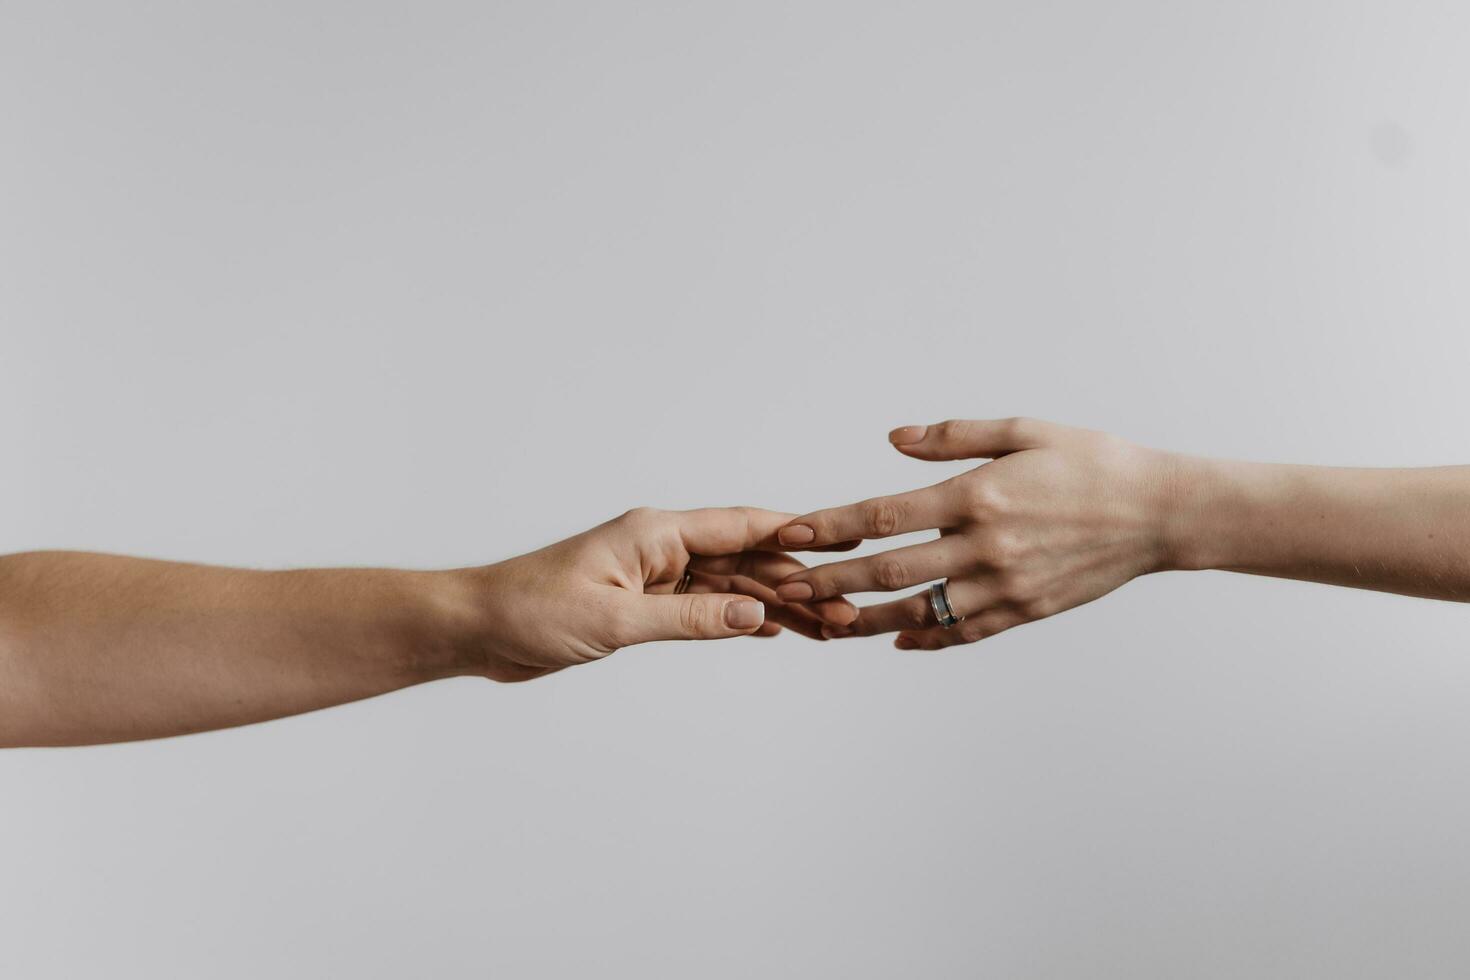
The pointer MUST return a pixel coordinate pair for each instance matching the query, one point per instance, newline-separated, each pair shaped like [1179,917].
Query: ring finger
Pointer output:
[885,572]
[915,613]
[977,627]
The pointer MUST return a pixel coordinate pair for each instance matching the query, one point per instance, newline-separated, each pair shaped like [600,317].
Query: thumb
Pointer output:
[970,439]
[692,617]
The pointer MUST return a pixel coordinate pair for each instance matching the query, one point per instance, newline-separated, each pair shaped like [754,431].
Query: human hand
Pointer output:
[583,598]
[1061,517]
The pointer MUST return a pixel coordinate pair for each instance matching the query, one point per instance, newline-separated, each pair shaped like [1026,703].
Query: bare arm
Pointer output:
[1394,530]
[97,648]
[1062,516]
[101,648]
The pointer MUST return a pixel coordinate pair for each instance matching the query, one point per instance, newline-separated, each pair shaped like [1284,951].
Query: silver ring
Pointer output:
[682,586]
[939,602]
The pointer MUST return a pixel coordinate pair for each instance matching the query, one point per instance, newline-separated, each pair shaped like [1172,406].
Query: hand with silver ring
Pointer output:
[943,610]
[1060,517]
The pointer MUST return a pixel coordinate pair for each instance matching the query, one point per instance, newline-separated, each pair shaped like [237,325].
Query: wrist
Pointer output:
[1217,511]
[1194,486]
[459,615]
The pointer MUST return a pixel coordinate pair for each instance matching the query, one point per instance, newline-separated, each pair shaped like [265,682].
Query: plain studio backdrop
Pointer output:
[434,284]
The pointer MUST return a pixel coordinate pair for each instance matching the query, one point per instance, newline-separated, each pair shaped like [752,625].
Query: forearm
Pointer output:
[99,648]
[1394,530]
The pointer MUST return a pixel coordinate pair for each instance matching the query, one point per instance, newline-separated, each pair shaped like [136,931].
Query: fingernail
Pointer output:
[794,592]
[904,643]
[836,632]
[796,534]
[906,435]
[744,614]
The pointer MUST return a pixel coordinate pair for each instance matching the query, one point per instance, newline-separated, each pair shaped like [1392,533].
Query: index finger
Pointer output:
[728,530]
[879,517]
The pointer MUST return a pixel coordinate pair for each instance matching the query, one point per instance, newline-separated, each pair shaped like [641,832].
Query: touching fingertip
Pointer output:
[906,435]
[794,592]
[796,534]
[906,643]
[835,632]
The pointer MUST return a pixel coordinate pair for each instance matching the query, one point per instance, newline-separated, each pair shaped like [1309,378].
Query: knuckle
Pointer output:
[749,517]
[986,626]
[693,615]
[1010,587]
[1039,607]
[984,499]
[619,626]
[1017,427]
[638,516]
[881,517]
[890,573]
[821,526]
[954,430]
[1008,548]
[916,615]
[1001,549]
[972,631]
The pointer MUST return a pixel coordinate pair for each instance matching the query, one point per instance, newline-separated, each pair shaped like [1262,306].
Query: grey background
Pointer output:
[430,284]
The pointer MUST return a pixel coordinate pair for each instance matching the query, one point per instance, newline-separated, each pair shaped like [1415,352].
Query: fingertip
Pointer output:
[907,435]
[795,535]
[838,612]
[835,632]
[906,643]
[744,614]
[794,592]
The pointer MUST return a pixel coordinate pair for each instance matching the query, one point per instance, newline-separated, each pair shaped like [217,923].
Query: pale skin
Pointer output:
[1062,516]
[102,648]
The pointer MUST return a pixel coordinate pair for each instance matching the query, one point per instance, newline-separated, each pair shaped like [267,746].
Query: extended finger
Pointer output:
[886,572]
[645,618]
[978,627]
[726,530]
[914,613]
[881,517]
[972,438]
